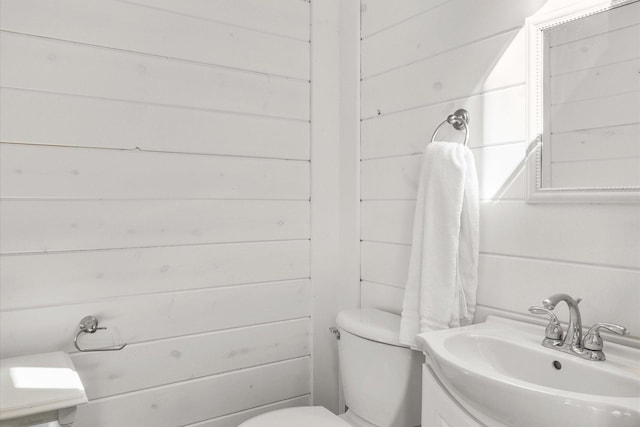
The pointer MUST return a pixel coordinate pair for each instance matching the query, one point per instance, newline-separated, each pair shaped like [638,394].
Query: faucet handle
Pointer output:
[553,331]
[593,340]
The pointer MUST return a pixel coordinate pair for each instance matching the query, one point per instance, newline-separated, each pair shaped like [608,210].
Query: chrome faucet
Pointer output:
[590,347]
[574,331]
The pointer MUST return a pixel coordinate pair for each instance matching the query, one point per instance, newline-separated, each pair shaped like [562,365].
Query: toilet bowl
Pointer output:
[307,416]
[381,378]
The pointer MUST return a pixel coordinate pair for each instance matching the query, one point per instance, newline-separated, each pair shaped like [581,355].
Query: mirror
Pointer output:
[584,104]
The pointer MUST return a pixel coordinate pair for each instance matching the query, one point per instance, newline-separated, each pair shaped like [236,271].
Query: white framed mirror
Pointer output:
[584,104]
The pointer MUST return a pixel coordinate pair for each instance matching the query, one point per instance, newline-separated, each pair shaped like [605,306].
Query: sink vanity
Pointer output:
[497,373]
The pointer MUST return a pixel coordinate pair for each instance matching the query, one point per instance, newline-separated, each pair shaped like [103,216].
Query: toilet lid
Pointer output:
[307,416]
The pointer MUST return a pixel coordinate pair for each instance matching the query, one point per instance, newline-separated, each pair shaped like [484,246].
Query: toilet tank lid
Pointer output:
[371,324]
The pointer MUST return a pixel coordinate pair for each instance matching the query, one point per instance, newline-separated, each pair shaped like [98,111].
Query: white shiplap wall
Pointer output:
[335,236]
[155,173]
[594,67]
[420,62]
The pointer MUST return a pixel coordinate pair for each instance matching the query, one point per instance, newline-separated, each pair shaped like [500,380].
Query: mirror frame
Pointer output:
[536,193]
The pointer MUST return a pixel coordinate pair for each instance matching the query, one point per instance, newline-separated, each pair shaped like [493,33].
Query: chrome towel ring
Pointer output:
[89,325]
[459,120]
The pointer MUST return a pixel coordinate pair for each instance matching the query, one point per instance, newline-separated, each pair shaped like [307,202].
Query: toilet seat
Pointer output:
[307,416]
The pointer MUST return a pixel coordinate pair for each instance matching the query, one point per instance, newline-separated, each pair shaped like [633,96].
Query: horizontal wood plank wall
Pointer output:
[156,173]
[262,52]
[138,126]
[419,65]
[594,67]
[202,398]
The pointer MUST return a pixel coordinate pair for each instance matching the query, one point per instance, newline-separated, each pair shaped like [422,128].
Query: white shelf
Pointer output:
[39,388]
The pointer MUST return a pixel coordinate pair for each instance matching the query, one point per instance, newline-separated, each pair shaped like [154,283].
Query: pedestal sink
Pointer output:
[499,372]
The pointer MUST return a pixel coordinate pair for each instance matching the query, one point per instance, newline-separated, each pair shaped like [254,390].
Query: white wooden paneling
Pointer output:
[496,118]
[603,93]
[409,42]
[590,144]
[45,226]
[607,48]
[597,82]
[163,34]
[335,200]
[592,234]
[236,419]
[200,399]
[71,68]
[513,283]
[397,177]
[615,110]
[582,250]
[79,173]
[593,25]
[155,363]
[385,263]
[91,122]
[382,297]
[605,235]
[94,275]
[514,188]
[596,157]
[389,221]
[596,173]
[380,14]
[160,107]
[142,318]
[391,178]
[500,171]
[489,64]
[285,17]
[608,294]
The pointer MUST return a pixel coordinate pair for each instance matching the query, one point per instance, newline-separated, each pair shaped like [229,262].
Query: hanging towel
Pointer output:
[443,269]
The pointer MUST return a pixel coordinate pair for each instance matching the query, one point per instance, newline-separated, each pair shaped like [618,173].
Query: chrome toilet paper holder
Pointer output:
[89,325]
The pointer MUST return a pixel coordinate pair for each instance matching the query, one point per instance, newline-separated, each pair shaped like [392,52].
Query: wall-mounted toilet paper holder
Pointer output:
[89,325]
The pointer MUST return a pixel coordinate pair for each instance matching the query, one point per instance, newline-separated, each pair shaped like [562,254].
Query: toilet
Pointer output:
[381,378]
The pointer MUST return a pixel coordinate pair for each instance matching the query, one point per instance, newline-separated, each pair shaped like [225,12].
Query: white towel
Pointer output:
[443,269]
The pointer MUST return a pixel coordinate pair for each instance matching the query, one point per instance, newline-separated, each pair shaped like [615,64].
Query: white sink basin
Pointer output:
[502,375]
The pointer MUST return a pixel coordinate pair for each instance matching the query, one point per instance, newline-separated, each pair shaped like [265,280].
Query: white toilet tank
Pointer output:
[380,377]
